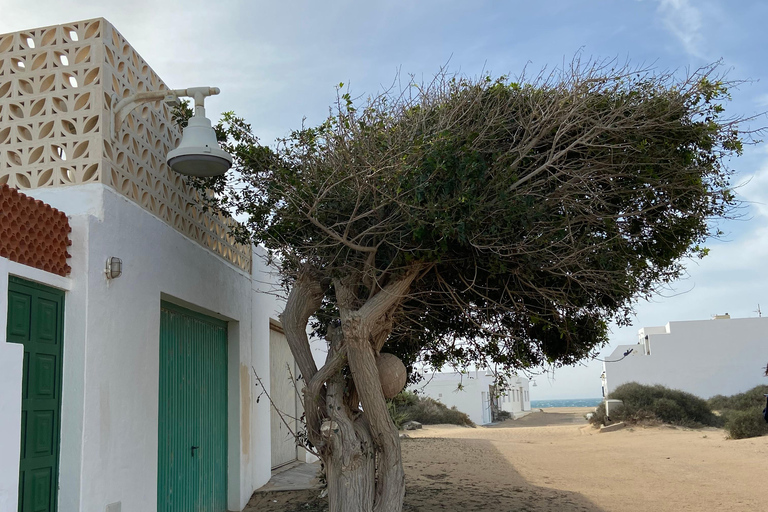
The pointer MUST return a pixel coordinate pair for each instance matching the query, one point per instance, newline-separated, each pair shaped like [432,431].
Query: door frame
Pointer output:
[277,327]
[59,296]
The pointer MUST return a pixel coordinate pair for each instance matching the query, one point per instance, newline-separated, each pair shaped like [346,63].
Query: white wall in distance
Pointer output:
[703,357]
[444,387]
[516,399]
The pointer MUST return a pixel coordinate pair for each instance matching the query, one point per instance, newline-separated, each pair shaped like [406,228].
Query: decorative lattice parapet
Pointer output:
[33,233]
[57,88]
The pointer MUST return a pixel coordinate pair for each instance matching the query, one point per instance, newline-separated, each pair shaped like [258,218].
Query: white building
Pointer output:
[135,393]
[722,356]
[475,394]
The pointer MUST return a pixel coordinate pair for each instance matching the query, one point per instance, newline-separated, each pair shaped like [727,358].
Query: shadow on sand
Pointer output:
[443,474]
[436,481]
[546,418]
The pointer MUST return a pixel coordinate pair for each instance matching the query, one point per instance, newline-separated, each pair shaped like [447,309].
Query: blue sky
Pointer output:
[278,62]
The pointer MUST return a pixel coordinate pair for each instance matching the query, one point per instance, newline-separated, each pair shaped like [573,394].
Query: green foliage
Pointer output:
[502,415]
[398,416]
[536,212]
[425,410]
[741,424]
[753,399]
[182,113]
[742,413]
[658,403]
[405,399]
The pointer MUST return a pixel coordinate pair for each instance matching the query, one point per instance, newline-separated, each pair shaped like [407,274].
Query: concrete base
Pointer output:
[612,428]
[294,477]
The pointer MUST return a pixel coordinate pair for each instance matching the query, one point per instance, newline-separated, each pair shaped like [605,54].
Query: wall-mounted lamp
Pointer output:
[114,268]
[198,153]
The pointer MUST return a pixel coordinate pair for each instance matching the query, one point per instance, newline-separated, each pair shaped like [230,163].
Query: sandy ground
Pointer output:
[554,461]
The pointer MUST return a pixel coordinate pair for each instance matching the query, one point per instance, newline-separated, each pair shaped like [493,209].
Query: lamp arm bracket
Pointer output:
[126,105]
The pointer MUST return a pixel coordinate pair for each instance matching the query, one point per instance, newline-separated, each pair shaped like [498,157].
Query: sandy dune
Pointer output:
[554,461]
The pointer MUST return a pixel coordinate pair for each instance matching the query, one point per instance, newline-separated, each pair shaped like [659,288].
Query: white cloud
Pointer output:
[685,22]
[754,191]
[762,100]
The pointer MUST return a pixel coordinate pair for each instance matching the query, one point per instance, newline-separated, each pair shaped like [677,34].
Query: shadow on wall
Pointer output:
[435,482]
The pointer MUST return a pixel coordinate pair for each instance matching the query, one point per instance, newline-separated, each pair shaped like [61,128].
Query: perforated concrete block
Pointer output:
[58,86]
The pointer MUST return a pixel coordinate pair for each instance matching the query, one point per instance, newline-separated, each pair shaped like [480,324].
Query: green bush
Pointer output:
[752,399]
[658,403]
[398,417]
[741,413]
[501,415]
[748,423]
[405,398]
[425,410]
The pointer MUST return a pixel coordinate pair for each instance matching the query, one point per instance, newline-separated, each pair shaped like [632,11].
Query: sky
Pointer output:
[278,63]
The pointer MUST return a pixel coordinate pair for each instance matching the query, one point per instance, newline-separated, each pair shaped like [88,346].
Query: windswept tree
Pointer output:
[487,221]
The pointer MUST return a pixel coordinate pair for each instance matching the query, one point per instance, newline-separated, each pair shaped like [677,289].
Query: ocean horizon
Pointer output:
[569,402]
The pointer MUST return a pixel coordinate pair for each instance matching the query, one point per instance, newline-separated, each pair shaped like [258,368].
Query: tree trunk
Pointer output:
[360,449]
[390,481]
[349,459]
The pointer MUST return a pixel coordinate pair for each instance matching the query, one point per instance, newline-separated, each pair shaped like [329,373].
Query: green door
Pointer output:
[36,320]
[192,423]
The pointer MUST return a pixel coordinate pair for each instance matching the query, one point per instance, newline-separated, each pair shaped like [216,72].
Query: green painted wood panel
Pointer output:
[36,320]
[192,419]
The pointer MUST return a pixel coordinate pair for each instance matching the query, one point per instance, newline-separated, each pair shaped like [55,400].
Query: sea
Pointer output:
[573,402]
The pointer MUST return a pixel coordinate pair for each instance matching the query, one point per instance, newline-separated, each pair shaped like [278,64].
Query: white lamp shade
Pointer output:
[198,153]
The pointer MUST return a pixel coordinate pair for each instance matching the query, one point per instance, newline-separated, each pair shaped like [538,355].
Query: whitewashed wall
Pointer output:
[444,387]
[704,357]
[110,383]
[516,399]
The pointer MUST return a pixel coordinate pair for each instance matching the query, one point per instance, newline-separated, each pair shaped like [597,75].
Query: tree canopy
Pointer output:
[533,211]
[491,221]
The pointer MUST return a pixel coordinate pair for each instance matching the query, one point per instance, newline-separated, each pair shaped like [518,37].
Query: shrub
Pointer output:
[405,398]
[426,410]
[398,417]
[501,415]
[749,400]
[748,423]
[741,413]
[658,403]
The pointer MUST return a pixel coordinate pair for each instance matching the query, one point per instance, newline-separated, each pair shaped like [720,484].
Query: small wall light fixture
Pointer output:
[114,268]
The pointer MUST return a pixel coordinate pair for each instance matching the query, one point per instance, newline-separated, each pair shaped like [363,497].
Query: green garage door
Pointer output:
[192,424]
[36,320]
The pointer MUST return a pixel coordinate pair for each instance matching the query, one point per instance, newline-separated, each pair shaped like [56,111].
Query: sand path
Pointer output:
[554,455]
[554,461]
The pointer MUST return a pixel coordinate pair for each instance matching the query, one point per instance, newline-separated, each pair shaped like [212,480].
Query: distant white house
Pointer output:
[721,356]
[475,393]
